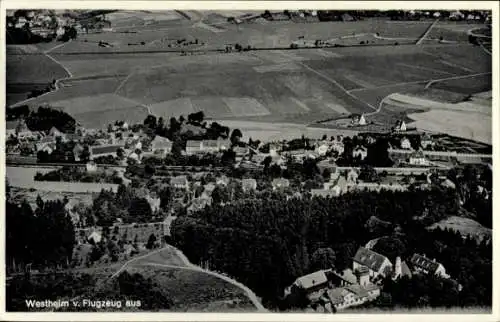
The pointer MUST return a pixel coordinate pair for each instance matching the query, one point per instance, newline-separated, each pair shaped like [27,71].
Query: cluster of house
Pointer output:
[40,22]
[330,291]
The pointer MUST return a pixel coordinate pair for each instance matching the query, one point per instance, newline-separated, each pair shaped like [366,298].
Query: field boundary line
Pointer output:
[134,101]
[426,33]
[122,83]
[453,78]
[442,61]
[418,82]
[425,69]
[331,81]
[54,48]
[70,76]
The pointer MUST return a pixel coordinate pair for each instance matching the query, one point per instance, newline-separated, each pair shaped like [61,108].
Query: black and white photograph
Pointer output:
[249,159]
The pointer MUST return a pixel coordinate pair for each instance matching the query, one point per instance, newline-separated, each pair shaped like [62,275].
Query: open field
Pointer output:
[286,86]
[196,291]
[464,226]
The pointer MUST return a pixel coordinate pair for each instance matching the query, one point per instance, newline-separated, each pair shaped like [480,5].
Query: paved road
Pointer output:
[191,267]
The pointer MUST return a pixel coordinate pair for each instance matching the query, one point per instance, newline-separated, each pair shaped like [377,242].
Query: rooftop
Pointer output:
[369,258]
[424,263]
[104,149]
[311,280]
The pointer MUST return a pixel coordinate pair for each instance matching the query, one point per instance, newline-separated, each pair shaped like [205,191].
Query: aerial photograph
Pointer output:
[251,161]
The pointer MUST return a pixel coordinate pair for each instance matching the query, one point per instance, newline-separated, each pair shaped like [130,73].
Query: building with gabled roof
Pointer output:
[180,182]
[104,150]
[376,263]
[161,145]
[194,147]
[425,265]
[359,152]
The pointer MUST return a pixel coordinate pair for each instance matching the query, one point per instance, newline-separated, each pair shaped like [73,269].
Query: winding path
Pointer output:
[191,267]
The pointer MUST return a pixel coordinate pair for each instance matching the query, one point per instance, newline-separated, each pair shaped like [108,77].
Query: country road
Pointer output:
[190,266]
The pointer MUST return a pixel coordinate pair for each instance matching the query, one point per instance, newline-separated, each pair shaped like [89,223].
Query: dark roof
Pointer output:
[312,280]
[424,263]
[358,290]
[102,149]
[369,258]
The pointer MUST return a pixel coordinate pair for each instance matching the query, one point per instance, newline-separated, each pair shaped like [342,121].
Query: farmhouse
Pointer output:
[104,150]
[425,265]
[360,152]
[161,146]
[377,264]
[180,182]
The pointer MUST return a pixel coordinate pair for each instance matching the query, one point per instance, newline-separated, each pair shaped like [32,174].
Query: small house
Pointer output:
[161,146]
[95,237]
[313,284]
[180,182]
[418,159]
[91,167]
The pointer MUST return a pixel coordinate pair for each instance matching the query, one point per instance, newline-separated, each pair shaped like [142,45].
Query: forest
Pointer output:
[267,244]
[43,238]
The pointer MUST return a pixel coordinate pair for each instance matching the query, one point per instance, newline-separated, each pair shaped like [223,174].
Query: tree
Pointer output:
[151,241]
[236,135]
[368,174]
[323,258]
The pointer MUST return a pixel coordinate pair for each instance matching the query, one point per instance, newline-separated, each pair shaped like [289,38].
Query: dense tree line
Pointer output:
[74,174]
[44,118]
[281,234]
[44,237]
